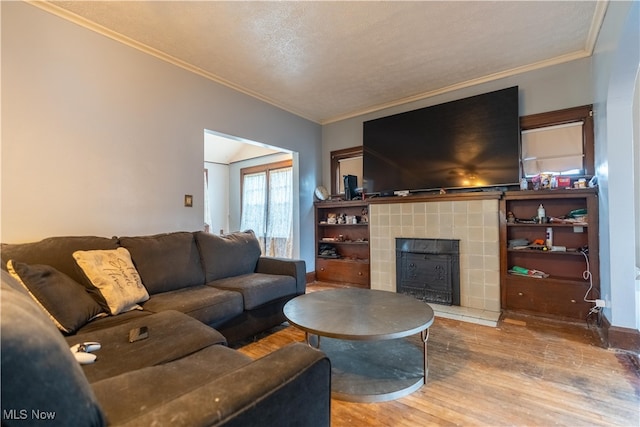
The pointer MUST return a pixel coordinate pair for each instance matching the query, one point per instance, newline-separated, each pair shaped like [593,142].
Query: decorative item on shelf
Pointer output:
[541,181]
[524,184]
[581,183]
[321,193]
[511,217]
[332,218]
[365,215]
[542,215]
[564,182]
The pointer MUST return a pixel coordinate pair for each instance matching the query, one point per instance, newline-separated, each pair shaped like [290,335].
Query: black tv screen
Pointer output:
[469,143]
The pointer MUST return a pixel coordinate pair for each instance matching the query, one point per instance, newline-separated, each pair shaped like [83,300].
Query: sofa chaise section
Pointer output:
[180,375]
[172,335]
[289,387]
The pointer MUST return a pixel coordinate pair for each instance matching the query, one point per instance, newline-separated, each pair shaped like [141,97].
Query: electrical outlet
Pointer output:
[600,303]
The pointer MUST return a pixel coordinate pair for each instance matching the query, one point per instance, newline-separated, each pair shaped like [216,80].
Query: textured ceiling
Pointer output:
[226,150]
[326,61]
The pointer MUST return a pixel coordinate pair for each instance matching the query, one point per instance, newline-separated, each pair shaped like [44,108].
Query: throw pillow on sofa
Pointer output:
[66,301]
[113,274]
[228,255]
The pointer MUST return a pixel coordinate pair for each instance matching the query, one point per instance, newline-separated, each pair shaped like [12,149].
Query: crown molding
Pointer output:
[97,28]
[473,82]
[596,23]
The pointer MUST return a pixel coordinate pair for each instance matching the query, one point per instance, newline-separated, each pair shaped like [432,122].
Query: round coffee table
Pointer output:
[363,332]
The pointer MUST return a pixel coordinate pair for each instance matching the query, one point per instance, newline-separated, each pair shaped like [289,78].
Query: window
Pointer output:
[267,206]
[558,142]
[345,162]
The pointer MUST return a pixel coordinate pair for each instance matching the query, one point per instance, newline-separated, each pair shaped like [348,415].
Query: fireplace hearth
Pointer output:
[429,269]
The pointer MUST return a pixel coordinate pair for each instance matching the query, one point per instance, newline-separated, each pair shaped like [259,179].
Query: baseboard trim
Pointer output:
[620,338]
[311,277]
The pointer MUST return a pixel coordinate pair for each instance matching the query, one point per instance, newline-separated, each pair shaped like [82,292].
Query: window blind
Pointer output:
[555,149]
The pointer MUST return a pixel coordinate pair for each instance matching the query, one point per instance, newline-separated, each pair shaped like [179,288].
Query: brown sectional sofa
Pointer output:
[204,291]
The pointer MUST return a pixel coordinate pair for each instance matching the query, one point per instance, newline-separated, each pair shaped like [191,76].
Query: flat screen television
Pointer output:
[464,144]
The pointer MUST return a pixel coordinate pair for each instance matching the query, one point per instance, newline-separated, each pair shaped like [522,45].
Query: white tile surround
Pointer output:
[473,222]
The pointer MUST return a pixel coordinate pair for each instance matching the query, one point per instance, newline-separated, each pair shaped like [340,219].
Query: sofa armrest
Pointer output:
[291,386]
[287,267]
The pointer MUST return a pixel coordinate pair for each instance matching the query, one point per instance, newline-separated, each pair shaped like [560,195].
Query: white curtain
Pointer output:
[254,196]
[278,241]
[267,209]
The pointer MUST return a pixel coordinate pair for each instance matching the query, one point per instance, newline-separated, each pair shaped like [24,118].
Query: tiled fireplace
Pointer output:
[473,222]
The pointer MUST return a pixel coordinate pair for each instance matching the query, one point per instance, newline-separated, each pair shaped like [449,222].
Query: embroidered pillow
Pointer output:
[115,277]
[66,301]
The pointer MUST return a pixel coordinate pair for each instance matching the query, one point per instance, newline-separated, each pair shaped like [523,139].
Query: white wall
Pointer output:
[616,64]
[100,138]
[636,162]
[218,196]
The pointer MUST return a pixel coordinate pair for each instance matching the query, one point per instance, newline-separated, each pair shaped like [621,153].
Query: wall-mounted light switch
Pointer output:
[188,200]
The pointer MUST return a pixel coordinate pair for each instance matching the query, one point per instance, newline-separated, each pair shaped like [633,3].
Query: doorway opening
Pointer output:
[225,159]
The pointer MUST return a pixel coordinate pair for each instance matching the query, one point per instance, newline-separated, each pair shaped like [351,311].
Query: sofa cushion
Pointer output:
[209,305]
[57,252]
[289,387]
[39,373]
[229,255]
[166,261]
[115,277]
[172,335]
[110,321]
[257,288]
[66,302]
[150,388]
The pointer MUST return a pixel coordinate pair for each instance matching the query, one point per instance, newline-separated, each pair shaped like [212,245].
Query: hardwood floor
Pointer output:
[525,372]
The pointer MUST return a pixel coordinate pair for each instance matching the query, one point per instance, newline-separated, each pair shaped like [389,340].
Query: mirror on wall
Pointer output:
[347,161]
